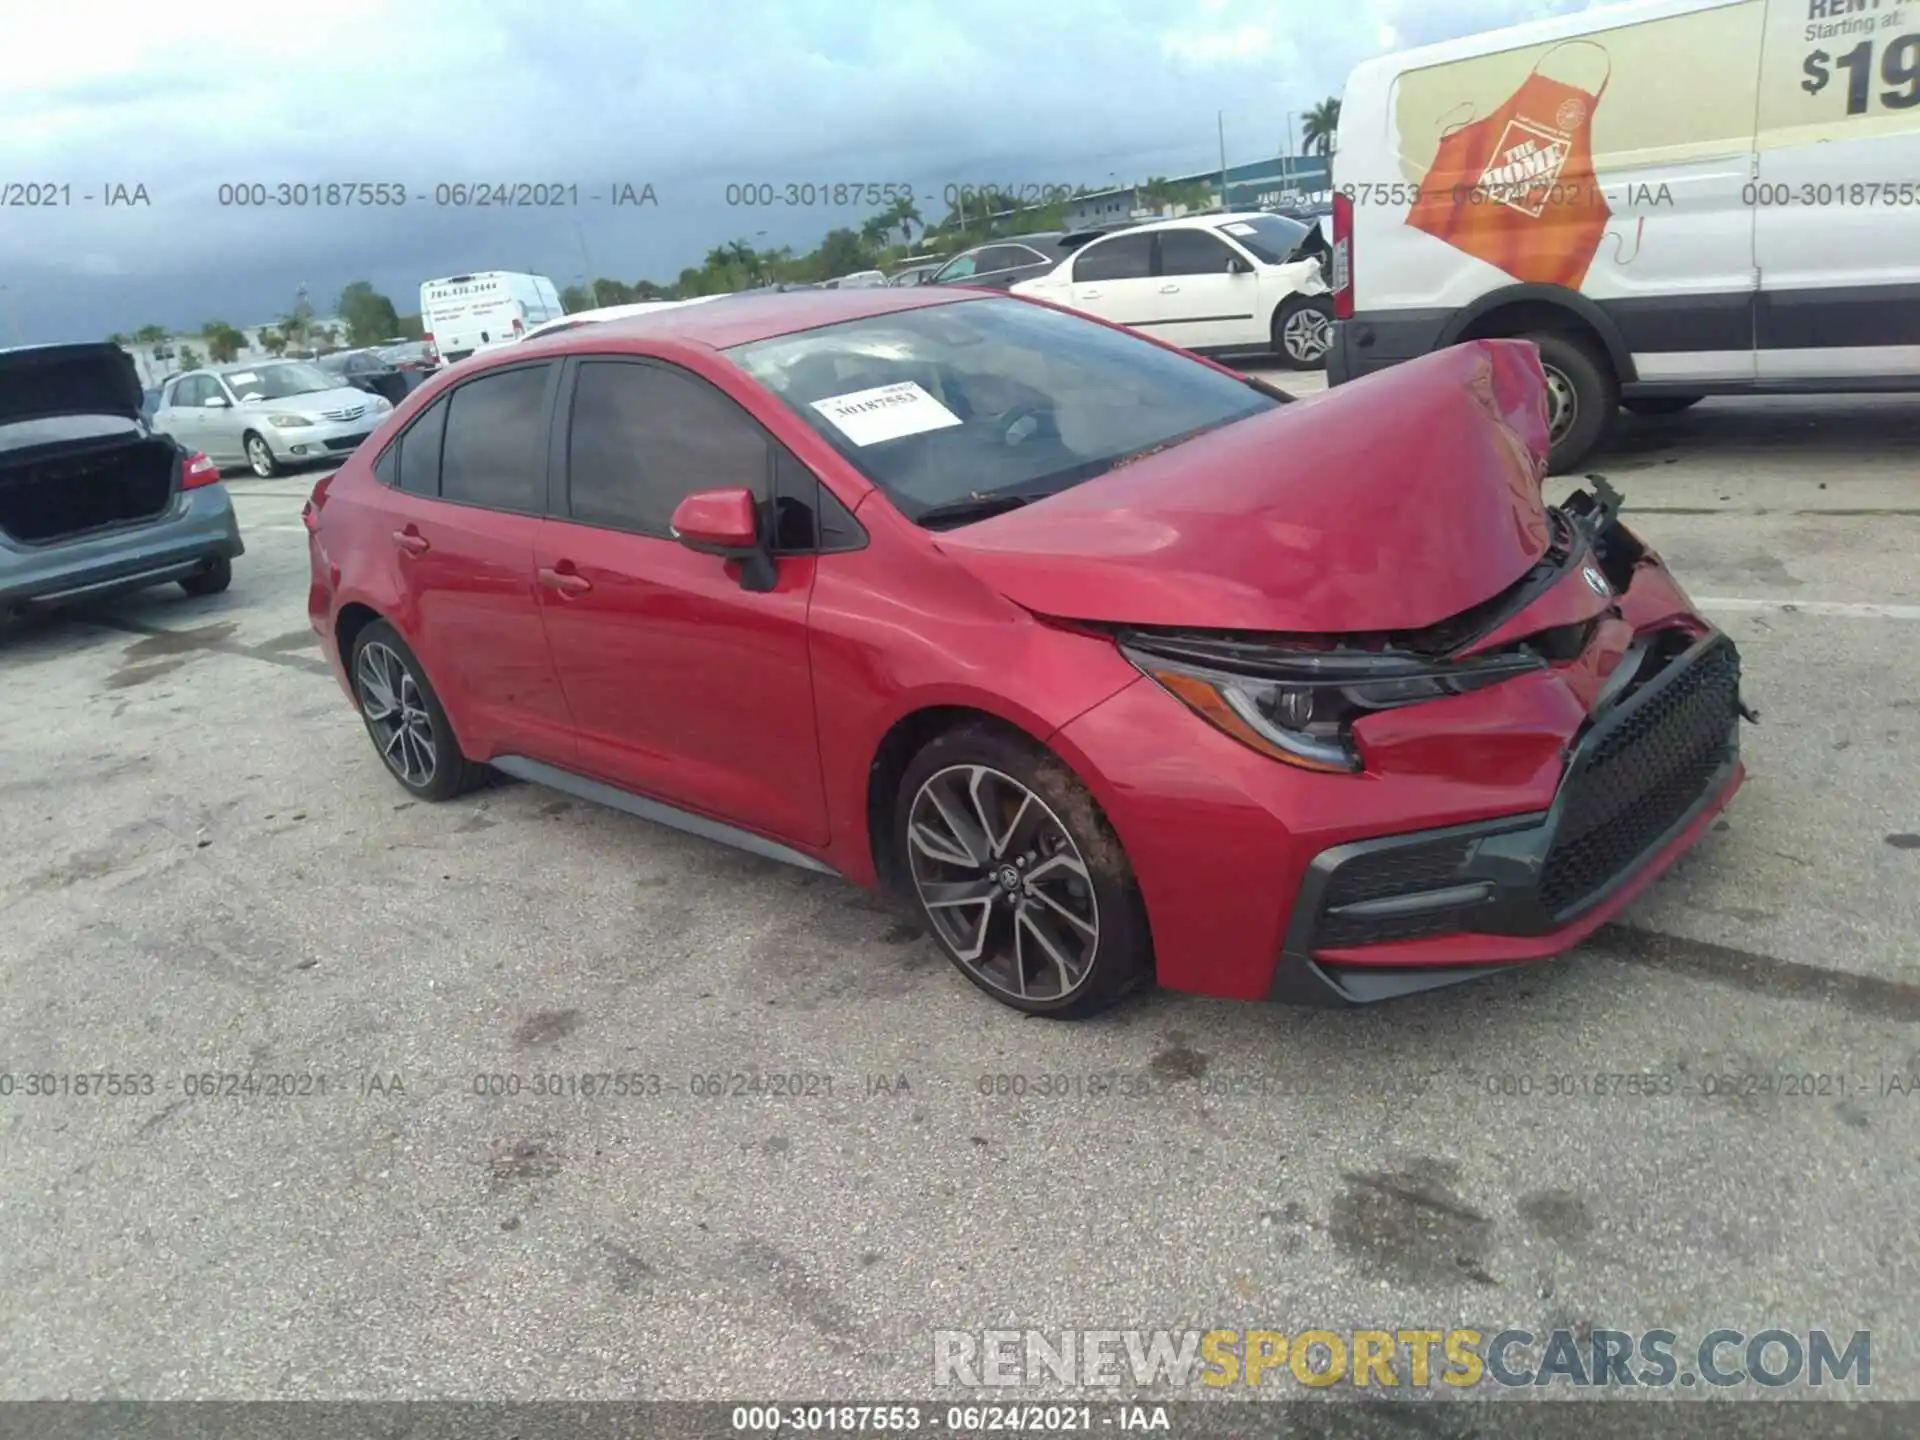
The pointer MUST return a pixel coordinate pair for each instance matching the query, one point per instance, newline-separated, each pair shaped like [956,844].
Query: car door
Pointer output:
[684,685]
[1837,198]
[180,415]
[960,270]
[223,426]
[469,483]
[1113,279]
[1000,266]
[1208,295]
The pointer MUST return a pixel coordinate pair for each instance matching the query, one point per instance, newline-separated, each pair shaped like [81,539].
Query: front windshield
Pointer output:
[990,397]
[1270,238]
[278,382]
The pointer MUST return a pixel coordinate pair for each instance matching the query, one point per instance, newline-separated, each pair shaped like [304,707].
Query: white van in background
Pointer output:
[463,315]
[1672,198]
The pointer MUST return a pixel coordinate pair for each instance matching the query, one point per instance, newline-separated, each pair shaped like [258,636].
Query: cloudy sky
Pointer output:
[685,95]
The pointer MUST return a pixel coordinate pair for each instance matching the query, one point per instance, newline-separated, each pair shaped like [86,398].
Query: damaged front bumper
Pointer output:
[1639,787]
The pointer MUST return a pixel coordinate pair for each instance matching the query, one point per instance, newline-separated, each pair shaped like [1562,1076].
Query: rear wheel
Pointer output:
[1019,876]
[404,718]
[1660,404]
[212,580]
[1582,398]
[261,457]
[1303,331]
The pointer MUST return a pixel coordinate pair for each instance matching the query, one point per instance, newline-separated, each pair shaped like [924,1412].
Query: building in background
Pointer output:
[157,362]
[1283,181]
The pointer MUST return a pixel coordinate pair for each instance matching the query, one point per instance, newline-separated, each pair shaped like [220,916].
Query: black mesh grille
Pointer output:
[1402,870]
[1338,932]
[1642,777]
[1429,866]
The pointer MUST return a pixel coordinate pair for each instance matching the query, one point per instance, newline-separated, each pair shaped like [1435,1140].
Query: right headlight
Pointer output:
[1298,706]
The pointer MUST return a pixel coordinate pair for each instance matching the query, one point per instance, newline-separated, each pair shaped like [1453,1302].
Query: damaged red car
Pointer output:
[1120,667]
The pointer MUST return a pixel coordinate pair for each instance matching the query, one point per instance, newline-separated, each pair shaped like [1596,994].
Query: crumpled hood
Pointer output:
[93,377]
[1391,503]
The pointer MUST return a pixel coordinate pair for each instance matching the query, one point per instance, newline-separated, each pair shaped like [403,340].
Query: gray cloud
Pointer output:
[687,98]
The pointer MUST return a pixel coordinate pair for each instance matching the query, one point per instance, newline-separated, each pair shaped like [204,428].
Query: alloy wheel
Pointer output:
[260,457]
[1307,334]
[396,714]
[1003,882]
[1563,404]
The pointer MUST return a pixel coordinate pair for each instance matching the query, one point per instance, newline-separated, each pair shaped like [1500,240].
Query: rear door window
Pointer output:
[494,453]
[1124,257]
[419,451]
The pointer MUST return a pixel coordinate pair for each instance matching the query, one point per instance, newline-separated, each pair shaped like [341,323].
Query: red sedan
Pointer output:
[1118,665]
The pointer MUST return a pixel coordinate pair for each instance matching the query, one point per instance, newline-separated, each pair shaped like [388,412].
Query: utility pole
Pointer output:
[593,281]
[1220,118]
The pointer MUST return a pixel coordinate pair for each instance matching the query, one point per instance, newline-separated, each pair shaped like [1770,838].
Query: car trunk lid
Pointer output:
[38,381]
[1389,504]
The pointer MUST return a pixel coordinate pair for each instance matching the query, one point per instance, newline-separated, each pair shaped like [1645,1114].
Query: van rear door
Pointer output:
[1836,231]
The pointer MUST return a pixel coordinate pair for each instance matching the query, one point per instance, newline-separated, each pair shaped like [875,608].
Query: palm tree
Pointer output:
[903,215]
[875,229]
[1320,125]
[223,341]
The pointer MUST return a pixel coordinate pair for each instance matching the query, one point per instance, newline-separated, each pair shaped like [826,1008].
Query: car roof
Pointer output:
[744,319]
[1209,221]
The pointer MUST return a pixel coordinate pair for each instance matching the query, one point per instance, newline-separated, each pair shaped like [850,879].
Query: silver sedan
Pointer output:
[269,415]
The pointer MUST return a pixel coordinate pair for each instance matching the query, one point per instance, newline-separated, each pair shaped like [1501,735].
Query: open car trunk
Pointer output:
[53,493]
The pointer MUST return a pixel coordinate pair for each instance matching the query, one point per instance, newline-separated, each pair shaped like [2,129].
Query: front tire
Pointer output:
[404,718]
[1303,331]
[1019,876]
[1583,395]
[261,458]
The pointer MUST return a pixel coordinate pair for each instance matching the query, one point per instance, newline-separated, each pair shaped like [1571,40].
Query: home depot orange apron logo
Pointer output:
[1516,188]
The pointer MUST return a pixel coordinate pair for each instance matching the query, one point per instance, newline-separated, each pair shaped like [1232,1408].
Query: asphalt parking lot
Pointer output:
[207,871]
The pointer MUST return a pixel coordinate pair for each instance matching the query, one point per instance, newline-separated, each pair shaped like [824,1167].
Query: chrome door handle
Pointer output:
[1169,289]
[565,581]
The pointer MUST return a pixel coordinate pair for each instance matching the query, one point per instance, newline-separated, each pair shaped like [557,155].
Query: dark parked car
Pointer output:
[917,274]
[410,355]
[1119,666]
[367,370]
[999,264]
[92,501]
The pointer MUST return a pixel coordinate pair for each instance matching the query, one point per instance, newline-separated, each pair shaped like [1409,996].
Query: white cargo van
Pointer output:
[465,314]
[1673,198]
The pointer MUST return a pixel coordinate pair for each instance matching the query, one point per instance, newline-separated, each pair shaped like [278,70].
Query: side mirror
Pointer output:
[217,402]
[1237,266]
[726,523]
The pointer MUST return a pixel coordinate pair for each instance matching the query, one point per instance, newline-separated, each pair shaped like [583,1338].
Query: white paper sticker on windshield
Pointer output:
[236,381]
[868,417]
[1240,227]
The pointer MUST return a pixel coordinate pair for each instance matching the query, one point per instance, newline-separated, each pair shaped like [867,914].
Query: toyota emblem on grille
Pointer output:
[1596,582]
